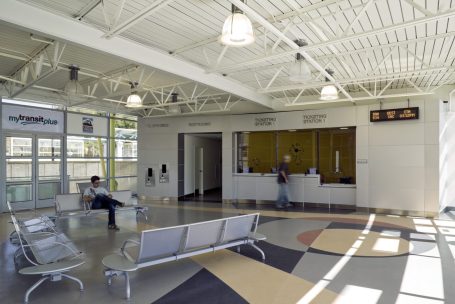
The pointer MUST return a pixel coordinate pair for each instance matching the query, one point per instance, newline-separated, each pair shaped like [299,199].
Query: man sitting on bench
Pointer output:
[100,198]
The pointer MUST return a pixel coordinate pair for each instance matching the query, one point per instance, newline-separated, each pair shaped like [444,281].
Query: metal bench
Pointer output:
[73,205]
[173,243]
[51,255]
[30,224]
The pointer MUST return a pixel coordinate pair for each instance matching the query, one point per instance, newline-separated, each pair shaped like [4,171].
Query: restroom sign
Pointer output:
[31,119]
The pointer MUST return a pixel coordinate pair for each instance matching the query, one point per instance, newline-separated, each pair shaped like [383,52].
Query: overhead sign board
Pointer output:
[394,114]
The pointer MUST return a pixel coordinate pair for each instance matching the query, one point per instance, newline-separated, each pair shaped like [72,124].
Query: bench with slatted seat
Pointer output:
[163,245]
[50,253]
[30,224]
[72,204]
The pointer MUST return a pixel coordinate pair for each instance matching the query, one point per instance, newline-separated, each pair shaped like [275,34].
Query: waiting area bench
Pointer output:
[163,245]
[72,204]
[50,253]
[30,224]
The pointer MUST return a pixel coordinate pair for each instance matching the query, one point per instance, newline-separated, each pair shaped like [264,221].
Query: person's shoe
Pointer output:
[113,227]
[279,207]
[288,205]
[120,204]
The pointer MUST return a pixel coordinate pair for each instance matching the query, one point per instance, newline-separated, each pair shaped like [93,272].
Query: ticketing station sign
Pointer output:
[394,114]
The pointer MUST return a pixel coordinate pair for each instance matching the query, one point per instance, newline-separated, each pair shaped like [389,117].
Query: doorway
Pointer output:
[202,167]
[34,170]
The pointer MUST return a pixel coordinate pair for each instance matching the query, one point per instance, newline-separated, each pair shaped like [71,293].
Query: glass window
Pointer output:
[124,167]
[337,155]
[18,146]
[124,183]
[86,146]
[330,151]
[19,193]
[48,147]
[301,146]
[125,148]
[85,168]
[123,154]
[124,129]
[18,170]
[257,152]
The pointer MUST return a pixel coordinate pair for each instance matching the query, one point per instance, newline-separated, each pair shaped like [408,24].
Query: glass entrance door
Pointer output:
[48,168]
[33,170]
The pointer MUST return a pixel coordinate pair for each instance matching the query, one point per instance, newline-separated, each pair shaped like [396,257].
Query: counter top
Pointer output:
[275,174]
[335,185]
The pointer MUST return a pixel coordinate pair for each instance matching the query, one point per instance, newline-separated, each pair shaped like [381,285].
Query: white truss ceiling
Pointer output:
[377,48]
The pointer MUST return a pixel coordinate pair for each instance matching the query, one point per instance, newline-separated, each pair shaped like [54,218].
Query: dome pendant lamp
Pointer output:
[300,70]
[73,87]
[329,92]
[134,100]
[237,29]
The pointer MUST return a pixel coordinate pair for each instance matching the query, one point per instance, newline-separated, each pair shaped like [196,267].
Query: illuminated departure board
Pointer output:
[394,114]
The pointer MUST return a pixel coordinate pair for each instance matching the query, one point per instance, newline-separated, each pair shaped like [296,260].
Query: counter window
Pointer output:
[256,152]
[329,152]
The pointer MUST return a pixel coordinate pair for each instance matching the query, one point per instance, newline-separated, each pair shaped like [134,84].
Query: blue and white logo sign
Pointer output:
[31,119]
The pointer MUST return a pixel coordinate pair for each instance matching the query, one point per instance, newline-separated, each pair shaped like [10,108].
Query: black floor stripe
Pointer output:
[278,257]
[202,288]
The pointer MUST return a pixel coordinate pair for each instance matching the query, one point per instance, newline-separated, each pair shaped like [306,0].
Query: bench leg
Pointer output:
[29,291]
[81,285]
[258,249]
[141,211]
[127,284]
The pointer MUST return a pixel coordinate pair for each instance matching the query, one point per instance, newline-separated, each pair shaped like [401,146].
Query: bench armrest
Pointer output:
[122,250]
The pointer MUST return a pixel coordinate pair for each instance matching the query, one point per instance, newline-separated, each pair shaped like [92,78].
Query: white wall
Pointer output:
[397,162]
[212,164]
[447,154]
[155,148]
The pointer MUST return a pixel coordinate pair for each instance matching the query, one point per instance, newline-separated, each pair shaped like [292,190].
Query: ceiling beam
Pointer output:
[291,14]
[356,99]
[266,24]
[356,81]
[35,19]
[331,42]
[347,53]
[141,15]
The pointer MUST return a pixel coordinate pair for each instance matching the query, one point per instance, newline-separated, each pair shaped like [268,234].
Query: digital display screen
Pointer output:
[394,114]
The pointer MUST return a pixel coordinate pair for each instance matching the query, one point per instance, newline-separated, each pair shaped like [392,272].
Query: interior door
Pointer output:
[201,170]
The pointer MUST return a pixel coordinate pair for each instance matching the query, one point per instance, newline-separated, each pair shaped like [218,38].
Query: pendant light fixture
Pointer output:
[237,29]
[73,87]
[134,100]
[329,92]
[174,109]
[300,70]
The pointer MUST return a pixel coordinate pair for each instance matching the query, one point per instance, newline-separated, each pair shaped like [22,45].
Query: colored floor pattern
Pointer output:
[311,257]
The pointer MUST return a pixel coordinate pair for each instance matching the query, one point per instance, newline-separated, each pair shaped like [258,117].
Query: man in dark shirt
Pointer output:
[283,181]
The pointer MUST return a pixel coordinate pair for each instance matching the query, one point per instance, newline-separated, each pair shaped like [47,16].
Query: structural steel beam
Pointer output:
[278,18]
[356,99]
[331,42]
[288,41]
[141,15]
[355,81]
[32,18]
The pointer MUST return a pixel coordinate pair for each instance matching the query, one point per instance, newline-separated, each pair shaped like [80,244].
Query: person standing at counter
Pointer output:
[283,181]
